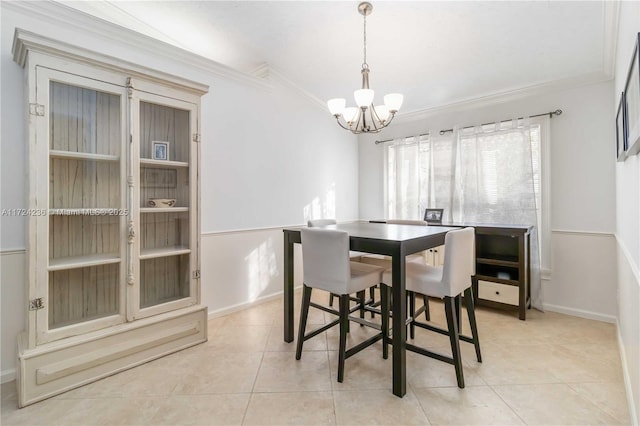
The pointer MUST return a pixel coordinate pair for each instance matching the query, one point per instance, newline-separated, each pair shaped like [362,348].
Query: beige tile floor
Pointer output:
[552,369]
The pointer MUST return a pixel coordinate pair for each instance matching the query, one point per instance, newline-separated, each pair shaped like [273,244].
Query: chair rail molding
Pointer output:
[628,257]
[584,233]
[6,252]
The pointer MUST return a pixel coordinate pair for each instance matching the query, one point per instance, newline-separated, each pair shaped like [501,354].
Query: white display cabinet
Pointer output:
[113,245]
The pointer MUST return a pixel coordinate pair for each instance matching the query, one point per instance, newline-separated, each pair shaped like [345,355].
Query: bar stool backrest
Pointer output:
[325,259]
[459,260]
[320,222]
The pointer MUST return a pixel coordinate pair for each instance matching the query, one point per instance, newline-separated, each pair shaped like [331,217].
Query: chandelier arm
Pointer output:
[373,120]
[340,123]
[393,114]
[374,114]
[359,127]
[375,117]
[365,126]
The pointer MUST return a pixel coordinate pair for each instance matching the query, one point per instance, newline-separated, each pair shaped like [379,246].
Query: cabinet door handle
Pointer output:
[498,293]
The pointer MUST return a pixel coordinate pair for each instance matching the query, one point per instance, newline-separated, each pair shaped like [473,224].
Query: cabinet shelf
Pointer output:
[82,155]
[499,260]
[503,274]
[496,279]
[147,162]
[163,210]
[74,262]
[163,252]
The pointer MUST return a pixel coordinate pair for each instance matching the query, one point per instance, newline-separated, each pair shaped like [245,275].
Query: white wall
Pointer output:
[272,160]
[582,177]
[271,157]
[628,222]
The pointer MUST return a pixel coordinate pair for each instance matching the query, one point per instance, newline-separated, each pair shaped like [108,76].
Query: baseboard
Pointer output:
[8,375]
[633,416]
[245,305]
[580,313]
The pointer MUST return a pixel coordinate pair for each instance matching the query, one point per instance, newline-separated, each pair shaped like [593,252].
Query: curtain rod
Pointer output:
[391,140]
[550,114]
[442,132]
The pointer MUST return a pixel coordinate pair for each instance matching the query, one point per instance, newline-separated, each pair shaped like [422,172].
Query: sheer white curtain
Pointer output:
[482,174]
[497,180]
[418,170]
[437,168]
[403,177]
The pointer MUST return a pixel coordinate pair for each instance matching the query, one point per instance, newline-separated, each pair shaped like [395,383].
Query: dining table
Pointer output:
[395,241]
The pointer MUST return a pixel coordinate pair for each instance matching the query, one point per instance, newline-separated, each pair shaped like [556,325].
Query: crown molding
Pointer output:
[68,17]
[508,95]
[25,41]
[270,73]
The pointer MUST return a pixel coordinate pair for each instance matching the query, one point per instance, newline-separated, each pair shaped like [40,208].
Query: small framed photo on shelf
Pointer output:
[433,215]
[160,150]
[632,101]
[621,130]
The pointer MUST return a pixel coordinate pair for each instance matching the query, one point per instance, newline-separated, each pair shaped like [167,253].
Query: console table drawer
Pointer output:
[501,293]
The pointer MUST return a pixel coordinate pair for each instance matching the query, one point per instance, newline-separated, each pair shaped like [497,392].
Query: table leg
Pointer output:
[399,329]
[288,289]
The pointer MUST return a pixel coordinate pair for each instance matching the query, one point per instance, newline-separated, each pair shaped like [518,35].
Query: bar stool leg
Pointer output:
[452,323]
[412,313]
[425,300]
[372,296]
[304,313]
[468,297]
[361,300]
[344,322]
[384,307]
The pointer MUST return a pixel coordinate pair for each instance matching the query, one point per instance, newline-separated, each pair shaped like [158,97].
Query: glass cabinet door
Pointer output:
[167,201]
[82,180]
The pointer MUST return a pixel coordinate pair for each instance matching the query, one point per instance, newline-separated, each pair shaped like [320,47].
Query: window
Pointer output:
[486,174]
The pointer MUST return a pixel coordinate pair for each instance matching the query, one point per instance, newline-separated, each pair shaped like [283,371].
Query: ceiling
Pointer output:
[435,53]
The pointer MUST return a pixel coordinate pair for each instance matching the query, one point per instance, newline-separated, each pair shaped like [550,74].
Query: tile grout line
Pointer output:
[255,379]
[507,404]
[420,404]
[590,401]
[333,395]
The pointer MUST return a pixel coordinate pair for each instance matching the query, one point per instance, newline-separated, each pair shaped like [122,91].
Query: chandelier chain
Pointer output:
[365,41]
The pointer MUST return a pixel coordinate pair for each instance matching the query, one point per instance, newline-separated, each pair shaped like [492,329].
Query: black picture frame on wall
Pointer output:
[621,130]
[632,101]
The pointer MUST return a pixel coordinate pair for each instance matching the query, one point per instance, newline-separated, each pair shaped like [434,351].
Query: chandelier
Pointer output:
[365,118]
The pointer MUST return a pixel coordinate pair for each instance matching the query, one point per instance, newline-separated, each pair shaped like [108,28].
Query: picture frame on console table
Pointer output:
[632,101]
[433,216]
